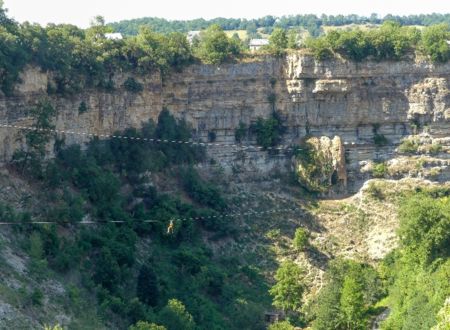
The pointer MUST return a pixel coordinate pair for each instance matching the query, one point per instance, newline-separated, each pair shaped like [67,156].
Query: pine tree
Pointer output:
[352,302]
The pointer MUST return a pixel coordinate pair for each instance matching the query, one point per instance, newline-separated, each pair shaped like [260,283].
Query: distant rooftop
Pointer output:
[259,42]
[114,36]
[192,35]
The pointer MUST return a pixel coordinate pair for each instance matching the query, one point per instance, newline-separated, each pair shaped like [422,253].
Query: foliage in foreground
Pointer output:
[418,272]
[345,302]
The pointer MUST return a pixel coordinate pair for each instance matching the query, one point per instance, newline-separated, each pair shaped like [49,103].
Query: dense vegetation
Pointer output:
[390,42]
[417,274]
[311,22]
[175,281]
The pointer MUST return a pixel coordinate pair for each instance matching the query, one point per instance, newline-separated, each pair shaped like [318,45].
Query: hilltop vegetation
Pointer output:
[312,23]
[390,42]
[82,59]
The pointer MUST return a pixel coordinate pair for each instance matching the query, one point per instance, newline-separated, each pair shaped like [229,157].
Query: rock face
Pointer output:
[354,101]
[323,168]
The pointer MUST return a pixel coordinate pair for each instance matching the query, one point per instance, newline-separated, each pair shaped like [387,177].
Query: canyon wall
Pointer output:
[354,101]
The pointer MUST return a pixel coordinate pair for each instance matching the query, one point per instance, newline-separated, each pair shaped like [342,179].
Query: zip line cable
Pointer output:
[133,138]
[223,215]
[153,140]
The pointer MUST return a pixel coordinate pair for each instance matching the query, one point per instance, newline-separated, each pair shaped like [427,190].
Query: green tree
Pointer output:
[352,302]
[175,316]
[418,271]
[98,29]
[288,291]
[214,46]
[301,239]
[327,307]
[343,302]
[36,246]
[292,38]
[425,222]
[320,48]
[434,42]
[38,263]
[278,41]
[141,325]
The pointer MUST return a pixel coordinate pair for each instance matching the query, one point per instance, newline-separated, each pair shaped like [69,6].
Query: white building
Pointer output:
[193,35]
[256,44]
[113,36]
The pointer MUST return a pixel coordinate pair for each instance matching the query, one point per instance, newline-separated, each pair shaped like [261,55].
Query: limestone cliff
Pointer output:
[355,101]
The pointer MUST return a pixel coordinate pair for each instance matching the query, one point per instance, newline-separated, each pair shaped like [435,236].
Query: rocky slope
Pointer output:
[359,102]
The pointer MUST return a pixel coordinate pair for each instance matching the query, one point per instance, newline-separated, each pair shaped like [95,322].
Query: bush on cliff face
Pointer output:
[132,85]
[29,159]
[268,131]
[409,146]
[240,132]
[379,170]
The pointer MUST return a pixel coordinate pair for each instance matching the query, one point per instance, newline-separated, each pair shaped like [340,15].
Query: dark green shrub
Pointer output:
[380,140]
[36,297]
[240,132]
[82,108]
[212,136]
[375,191]
[202,192]
[147,286]
[132,85]
[268,131]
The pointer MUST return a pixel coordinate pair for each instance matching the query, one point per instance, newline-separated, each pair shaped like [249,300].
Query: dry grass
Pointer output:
[241,33]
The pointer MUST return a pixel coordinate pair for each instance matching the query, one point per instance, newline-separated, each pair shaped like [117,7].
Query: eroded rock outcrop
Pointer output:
[320,165]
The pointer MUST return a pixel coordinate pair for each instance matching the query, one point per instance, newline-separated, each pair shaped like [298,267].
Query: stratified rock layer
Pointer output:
[332,98]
